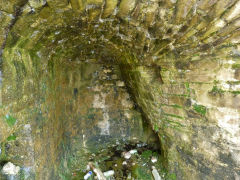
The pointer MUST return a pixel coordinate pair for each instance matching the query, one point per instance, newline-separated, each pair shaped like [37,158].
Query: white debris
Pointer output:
[10,169]
[155,174]
[108,173]
[133,151]
[127,155]
[124,163]
[154,159]
[88,175]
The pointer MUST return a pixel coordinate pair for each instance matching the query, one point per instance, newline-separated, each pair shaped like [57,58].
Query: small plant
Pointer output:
[215,90]
[235,92]
[156,128]
[10,120]
[200,109]
[146,154]
[11,138]
[236,66]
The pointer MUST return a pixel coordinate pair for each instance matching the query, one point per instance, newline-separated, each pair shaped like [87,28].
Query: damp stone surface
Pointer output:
[98,71]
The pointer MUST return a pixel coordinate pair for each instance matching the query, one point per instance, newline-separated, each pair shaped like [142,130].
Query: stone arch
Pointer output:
[180,60]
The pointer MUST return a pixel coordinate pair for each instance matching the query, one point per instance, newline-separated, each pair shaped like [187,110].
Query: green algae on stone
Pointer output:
[216,91]
[235,92]
[200,109]
[236,66]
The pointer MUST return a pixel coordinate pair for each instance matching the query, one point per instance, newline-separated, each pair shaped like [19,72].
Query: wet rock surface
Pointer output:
[86,112]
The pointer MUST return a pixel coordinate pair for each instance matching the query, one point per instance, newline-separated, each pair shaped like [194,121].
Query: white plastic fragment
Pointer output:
[133,151]
[154,159]
[108,173]
[88,175]
[10,169]
[155,174]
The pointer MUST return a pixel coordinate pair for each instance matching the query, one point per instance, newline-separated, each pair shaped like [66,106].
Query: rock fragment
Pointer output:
[127,155]
[10,169]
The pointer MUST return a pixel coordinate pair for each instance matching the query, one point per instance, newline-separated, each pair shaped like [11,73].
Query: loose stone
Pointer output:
[10,169]
[127,155]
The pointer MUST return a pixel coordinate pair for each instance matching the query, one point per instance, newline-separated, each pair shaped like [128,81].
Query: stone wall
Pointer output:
[180,60]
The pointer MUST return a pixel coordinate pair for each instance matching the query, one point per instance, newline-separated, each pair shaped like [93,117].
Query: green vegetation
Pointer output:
[173,115]
[146,154]
[200,109]
[176,106]
[235,92]
[172,176]
[215,90]
[188,88]
[3,156]
[12,138]
[236,66]
[10,120]
[172,124]
[156,128]
[141,173]
[233,82]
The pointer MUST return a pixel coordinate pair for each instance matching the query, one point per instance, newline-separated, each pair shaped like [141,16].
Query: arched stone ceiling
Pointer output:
[180,60]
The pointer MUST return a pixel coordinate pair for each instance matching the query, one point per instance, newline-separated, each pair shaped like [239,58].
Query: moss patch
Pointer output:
[236,66]
[215,90]
[235,92]
[200,109]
